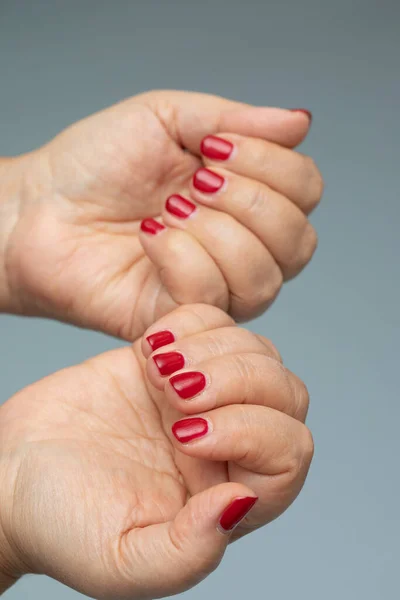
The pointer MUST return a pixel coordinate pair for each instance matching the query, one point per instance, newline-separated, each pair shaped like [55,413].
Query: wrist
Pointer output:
[9,572]
[9,209]
[18,188]
[12,566]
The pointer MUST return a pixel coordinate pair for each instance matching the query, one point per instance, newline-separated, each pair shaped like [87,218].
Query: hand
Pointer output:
[76,251]
[99,493]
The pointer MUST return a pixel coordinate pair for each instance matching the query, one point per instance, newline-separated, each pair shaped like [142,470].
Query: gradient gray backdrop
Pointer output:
[337,325]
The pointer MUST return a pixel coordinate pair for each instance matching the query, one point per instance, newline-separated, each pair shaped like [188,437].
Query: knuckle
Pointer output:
[218,343]
[300,252]
[302,256]
[260,153]
[193,565]
[250,446]
[205,314]
[309,245]
[302,399]
[192,313]
[314,186]
[255,201]
[266,294]
[317,188]
[308,445]
[272,349]
[298,463]
[244,371]
[269,292]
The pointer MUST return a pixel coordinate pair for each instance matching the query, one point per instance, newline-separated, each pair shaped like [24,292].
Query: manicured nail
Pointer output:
[188,385]
[190,429]
[216,148]
[151,226]
[159,339]
[179,207]
[208,182]
[235,512]
[303,110]
[169,362]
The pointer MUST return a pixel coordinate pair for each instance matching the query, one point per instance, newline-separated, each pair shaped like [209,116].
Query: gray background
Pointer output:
[337,325]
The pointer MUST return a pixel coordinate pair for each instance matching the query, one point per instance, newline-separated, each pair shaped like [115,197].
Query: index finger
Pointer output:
[183,322]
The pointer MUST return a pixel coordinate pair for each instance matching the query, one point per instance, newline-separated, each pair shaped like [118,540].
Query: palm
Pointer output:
[101,449]
[112,170]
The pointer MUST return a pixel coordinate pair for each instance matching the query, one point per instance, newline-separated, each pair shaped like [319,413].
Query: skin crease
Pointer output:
[70,240]
[97,493]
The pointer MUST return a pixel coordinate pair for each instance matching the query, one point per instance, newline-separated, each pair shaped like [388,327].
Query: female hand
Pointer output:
[123,480]
[73,245]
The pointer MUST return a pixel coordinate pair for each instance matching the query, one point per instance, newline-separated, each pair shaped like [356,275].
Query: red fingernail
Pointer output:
[303,110]
[216,148]
[188,385]
[208,182]
[190,429]
[180,207]
[235,512]
[169,362]
[159,339]
[151,226]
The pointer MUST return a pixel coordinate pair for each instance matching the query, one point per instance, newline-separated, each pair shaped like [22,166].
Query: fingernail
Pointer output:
[216,148]
[190,429]
[235,512]
[303,110]
[208,182]
[151,226]
[159,339]
[169,362]
[188,385]
[179,207]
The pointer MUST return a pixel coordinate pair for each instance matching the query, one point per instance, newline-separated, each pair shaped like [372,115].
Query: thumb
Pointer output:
[178,554]
[191,116]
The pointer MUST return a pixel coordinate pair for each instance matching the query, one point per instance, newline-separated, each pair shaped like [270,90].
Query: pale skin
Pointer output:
[98,493]
[71,247]
[90,449]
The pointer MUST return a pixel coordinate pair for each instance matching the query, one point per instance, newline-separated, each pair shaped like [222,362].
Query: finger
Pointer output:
[279,225]
[251,273]
[265,449]
[290,173]
[191,116]
[185,268]
[173,556]
[246,378]
[185,321]
[194,350]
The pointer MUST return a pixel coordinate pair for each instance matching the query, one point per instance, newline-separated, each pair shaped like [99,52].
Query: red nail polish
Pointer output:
[235,512]
[169,362]
[303,110]
[180,207]
[159,339]
[190,429]
[151,226]
[216,148]
[207,181]
[188,385]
